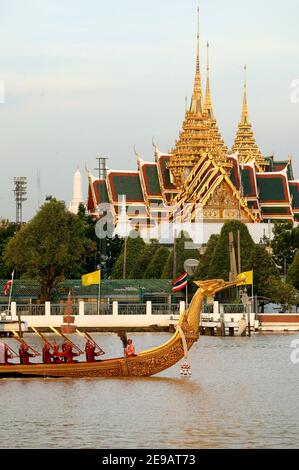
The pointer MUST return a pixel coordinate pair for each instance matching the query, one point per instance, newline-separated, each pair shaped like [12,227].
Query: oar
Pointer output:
[67,339]
[86,335]
[42,336]
[12,351]
[16,336]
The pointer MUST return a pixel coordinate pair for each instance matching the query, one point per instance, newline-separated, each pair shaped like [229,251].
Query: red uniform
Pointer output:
[56,354]
[68,352]
[47,356]
[25,354]
[130,350]
[90,351]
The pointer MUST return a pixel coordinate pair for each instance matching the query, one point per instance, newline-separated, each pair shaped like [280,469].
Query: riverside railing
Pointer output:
[93,309]
[131,309]
[30,309]
[165,309]
[63,309]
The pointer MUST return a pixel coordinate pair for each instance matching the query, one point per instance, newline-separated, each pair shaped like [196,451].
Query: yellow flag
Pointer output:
[245,278]
[91,278]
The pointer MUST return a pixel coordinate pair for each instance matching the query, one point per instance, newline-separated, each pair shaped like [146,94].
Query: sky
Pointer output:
[86,78]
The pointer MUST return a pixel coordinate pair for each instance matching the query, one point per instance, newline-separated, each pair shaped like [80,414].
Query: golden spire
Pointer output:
[208,108]
[199,135]
[215,136]
[196,102]
[245,143]
[244,118]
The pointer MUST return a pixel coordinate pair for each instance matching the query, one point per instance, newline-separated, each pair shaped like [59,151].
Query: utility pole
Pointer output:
[174,273]
[20,183]
[125,258]
[239,252]
[232,257]
[102,167]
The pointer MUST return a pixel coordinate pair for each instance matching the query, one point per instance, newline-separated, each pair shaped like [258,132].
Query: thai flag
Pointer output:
[180,283]
[9,284]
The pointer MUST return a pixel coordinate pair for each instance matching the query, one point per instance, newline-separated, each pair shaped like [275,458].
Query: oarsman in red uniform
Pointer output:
[47,356]
[130,350]
[68,353]
[4,354]
[56,354]
[25,354]
[90,352]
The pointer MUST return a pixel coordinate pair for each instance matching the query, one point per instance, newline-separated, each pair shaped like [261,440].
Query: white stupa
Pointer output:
[77,192]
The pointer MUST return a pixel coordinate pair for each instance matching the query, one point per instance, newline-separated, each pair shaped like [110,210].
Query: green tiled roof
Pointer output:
[248,184]
[275,210]
[290,172]
[294,188]
[128,184]
[271,189]
[152,180]
[101,189]
[234,173]
[166,173]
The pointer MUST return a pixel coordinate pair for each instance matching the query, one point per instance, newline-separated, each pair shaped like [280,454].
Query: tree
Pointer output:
[184,251]
[202,271]
[113,250]
[293,274]
[157,264]
[135,245]
[7,231]
[283,293]
[144,259]
[284,244]
[263,268]
[220,263]
[50,247]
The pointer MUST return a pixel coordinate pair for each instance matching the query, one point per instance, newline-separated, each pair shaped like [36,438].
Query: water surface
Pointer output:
[243,393]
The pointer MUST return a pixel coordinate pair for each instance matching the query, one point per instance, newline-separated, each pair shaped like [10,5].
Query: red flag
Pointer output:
[180,283]
[7,287]
[9,284]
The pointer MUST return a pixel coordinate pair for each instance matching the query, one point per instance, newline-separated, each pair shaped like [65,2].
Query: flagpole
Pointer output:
[186,296]
[99,292]
[10,292]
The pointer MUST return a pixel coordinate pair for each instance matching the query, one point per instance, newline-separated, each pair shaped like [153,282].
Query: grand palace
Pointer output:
[202,173]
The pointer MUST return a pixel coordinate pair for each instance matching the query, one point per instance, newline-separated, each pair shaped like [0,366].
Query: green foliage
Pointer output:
[202,271]
[134,247]
[184,251]
[263,268]
[220,262]
[284,244]
[293,273]
[51,247]
[7,231]
[113,247]
[144,259]
[157,264]
[283,293]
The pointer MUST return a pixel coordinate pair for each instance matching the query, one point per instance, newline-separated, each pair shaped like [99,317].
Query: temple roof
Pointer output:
[273,188]
[294,189]
[249,183]
[215,134]
[245,143]
[124,182]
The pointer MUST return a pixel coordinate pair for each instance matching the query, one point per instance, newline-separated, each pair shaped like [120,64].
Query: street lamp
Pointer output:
[245,301]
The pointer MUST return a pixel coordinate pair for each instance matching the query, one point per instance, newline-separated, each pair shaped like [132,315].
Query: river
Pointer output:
[243,393]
